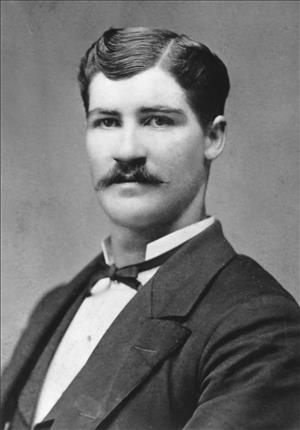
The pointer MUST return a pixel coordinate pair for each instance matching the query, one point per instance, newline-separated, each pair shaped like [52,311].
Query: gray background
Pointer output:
[51,223]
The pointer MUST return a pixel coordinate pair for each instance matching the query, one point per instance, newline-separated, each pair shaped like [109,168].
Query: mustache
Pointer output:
[125,173]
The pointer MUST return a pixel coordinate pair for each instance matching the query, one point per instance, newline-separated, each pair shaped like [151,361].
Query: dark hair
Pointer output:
[122,53]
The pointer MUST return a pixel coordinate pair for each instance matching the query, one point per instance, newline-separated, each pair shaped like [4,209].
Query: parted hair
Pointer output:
[124,52]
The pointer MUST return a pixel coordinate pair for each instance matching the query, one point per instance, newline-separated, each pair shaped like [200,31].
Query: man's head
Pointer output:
[154,102]
[123,53]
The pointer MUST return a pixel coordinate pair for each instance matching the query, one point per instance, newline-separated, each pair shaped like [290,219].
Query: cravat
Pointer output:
[128,274]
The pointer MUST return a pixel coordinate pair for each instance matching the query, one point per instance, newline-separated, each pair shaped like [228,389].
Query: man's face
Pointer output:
[143,127]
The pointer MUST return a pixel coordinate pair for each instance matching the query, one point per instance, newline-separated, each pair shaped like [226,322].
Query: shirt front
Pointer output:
[96,314]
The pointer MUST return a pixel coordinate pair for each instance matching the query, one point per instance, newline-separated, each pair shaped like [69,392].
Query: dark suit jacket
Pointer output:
[211,342]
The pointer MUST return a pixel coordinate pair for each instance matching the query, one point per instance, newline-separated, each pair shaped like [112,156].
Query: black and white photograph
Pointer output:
[150,215]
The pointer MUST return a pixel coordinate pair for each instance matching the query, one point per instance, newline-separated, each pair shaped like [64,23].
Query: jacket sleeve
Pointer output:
[250,369]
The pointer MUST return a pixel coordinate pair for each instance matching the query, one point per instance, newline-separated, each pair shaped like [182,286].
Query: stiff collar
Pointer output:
[165,243]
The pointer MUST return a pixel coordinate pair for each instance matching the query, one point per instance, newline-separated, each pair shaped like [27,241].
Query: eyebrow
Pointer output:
[163,109]
[143,109]
[103,112]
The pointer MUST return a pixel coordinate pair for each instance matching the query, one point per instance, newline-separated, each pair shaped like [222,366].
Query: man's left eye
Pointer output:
[159,121]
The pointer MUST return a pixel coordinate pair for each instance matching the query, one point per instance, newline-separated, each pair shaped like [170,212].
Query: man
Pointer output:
[189,335]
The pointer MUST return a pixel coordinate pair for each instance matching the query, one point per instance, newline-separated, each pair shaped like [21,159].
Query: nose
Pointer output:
[129,147]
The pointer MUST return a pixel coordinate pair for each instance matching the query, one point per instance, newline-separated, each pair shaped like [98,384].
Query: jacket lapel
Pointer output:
[58,315]
[144,334]
[86,404]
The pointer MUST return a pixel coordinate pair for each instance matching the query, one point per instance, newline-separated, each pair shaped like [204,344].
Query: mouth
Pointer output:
[131,188]
[132,181]
[133,185]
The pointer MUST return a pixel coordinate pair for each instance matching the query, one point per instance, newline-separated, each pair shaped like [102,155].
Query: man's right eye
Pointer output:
[106,123]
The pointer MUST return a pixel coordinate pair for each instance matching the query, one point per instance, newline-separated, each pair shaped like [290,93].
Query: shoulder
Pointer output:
[49,302]
[54,302]
[243,280]
[247,344]
[42,320]
[245,301]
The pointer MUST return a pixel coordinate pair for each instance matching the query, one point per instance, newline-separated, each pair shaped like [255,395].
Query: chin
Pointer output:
[132,219]
[136,215]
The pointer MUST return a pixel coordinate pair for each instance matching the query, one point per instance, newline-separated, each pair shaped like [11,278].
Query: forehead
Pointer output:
[151,87]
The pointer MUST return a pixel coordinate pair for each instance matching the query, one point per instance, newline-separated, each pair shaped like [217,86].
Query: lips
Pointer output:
[130,180]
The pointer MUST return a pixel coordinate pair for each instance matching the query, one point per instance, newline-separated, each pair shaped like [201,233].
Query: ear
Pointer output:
[215,139]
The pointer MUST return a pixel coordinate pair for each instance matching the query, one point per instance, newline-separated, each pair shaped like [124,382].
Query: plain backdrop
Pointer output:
[51,223]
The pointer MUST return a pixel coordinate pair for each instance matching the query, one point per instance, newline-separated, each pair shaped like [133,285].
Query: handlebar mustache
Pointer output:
[119,174]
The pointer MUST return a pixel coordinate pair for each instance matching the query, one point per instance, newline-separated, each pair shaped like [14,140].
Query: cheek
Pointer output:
[99,142]
[183,157]
[96,157]
[93,145]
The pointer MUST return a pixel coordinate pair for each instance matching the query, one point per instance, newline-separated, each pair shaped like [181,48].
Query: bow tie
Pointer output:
[128,274]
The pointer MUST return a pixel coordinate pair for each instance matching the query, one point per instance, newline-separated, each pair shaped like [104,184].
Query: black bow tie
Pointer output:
[128,274]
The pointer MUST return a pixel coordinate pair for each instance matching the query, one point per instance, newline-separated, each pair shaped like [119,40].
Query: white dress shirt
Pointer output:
[96,314]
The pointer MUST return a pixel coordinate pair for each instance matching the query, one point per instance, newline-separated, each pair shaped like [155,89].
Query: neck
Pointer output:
[129,245]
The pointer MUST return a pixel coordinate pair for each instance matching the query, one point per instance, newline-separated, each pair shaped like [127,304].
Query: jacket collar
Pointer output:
[181,281]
